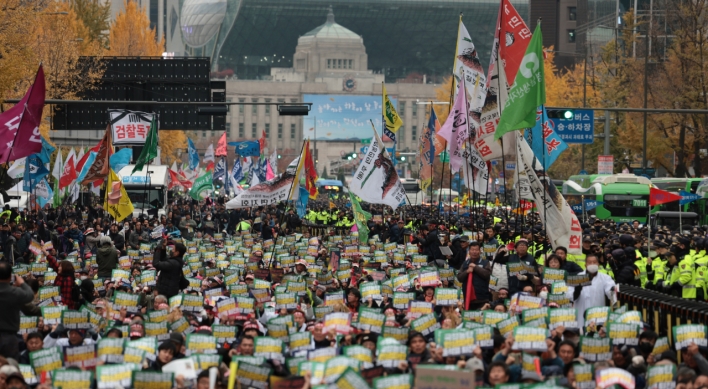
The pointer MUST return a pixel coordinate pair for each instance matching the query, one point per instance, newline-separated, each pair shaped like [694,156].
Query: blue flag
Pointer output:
[577,208]
[260,169]
[237,171]
[544,141]
[220,169]
[45,187]
[121,159]
[193,155]
[249,148]
[687,197]
[47,151]
[35,171]
[592,204]
[87,166]
[301,204]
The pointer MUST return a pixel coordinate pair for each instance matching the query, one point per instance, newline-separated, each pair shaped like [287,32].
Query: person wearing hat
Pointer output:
[682,276]
[459,251]
[92,240]
[75,338]
[301,267]
[700,261]
[106,257]
[517,283]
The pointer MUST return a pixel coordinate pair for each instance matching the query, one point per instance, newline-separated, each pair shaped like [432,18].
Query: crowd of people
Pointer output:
[263,298]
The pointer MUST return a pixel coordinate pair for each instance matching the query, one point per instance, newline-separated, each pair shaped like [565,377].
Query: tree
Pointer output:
[171,141]
[131,34]
[95,17]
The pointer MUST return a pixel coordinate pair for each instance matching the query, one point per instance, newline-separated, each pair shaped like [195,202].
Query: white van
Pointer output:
[147,189]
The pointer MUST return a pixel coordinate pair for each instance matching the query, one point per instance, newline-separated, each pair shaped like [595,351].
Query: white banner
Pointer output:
[562,226]
[376,180]
[265,193]
[41,189]
[129,127]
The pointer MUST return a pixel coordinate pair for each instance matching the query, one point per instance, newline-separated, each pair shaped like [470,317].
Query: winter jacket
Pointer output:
[134,240]
[170,272]
[107,260]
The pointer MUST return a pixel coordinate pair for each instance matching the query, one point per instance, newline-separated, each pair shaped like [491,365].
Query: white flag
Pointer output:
[376,180]
[562,226]
[273,161]
[58,166]
[17,168]
[209,155]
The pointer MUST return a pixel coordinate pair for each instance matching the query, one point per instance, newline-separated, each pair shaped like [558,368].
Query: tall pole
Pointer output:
[585,101]
[646,96]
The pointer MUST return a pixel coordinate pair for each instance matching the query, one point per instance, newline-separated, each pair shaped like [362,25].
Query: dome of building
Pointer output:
[200,20]
[331,30]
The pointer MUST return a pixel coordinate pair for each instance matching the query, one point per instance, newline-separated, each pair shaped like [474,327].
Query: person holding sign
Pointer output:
[522,257]
[14,294]
[601,287]
[474,276]
[169,263]
[66,281]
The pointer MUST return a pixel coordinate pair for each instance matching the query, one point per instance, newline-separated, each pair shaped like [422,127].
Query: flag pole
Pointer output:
[432,157]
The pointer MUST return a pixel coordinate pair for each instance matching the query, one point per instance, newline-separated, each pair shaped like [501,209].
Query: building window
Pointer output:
[400,135]
[280,130]
[267,129]
[339,64]
[572,13]
[350,64]
[267,107]
[240,107]
[280,101]
[254,108]
[292,131]
[203,134]
[414,132]
[253,131]
[414,109]
[571,36]
[329,64]
[401,108]
[241,130]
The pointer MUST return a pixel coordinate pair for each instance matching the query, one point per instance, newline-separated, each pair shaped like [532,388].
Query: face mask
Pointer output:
[592,269]
[645,347]
[543,294]
[83,278]
[209,218]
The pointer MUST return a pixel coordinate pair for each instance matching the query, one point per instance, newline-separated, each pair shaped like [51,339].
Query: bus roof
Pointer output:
[622,179]
[158,175]
[677,179]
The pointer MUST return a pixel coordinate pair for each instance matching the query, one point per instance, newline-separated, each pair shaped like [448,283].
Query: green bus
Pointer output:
[676,185]
[624,197]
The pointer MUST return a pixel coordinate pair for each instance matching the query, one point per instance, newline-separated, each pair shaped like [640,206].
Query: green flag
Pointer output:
[360,216]
[150,148]
[56,201]
[201,184]
[528,91]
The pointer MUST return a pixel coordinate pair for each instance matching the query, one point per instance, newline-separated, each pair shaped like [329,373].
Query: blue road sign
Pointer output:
[579,129]
[583,172]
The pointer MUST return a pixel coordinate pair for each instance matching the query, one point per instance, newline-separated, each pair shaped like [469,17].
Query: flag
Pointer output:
[121,159]
[688,197]
[427,151]
[17,168]
[220,169]
[310,172]
[249,148]
[202,183]
[56,171]
[561,224]
[88,161]
[19,125]
[273,161]
[376,180]
[117,202]
[301,203]
[149,151]
[516,36]
[476,175]
[98,169]
[269,173]
[392,122]
[193,155]
[56,199]
[35,171]
[236,173]
[209,154]
[544,141]
[247,163]
[658,196]
[221,146]
[456,129]
[262,143]
[68,175]
[262,170]
[177,180]
[47,150]
[43,190]
[361,217]
[210,166]
[528,91]
[255,180]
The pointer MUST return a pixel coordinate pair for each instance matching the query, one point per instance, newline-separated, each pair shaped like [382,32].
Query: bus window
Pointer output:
[626,205]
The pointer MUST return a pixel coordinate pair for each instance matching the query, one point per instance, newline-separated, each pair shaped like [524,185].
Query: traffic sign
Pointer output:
[510,166]
[366,141]
[579,129]
[583,172]
[444,157]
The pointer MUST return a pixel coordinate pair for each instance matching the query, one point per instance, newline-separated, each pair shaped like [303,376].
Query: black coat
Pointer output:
[170,272]
[459,255]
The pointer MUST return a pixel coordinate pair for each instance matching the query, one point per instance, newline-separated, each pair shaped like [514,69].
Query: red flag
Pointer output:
[69,173]
[514,38]
[101,164]
[658,196]
[19,125]
[221,146]
[262,142]
[80,163]
[176,180]
[210,166]
[310,172]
